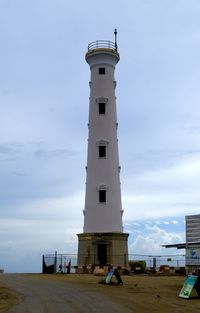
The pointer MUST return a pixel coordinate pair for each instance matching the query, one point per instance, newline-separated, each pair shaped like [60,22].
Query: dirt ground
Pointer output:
[138,294]
[8,298]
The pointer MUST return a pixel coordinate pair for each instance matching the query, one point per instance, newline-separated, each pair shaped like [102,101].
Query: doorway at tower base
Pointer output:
[101,249]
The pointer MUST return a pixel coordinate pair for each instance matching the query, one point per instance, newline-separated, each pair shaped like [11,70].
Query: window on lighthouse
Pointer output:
[102,151]
[102,196]
[102,71]
[102,108]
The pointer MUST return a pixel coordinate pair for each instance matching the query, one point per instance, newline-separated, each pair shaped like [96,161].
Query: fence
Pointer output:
[102,44]
[159,260]
[54,263]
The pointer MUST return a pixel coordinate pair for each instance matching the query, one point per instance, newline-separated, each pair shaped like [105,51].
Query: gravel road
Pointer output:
[45,296]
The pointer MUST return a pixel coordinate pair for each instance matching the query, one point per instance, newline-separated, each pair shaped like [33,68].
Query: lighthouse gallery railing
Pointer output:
[102,44]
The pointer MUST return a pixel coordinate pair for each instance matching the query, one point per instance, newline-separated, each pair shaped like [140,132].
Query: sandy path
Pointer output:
[48,296]
[82,293]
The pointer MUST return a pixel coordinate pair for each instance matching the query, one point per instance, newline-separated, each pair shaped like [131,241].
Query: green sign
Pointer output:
[111,273]
[188,285]
[109,276]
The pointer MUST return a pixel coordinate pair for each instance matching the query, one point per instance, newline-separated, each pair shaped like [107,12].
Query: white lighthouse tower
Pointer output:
[102,241]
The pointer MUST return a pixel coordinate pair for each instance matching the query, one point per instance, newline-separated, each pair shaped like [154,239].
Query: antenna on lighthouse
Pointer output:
[115,32]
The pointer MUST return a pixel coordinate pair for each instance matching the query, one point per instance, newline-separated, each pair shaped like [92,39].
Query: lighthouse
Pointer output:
[102,241]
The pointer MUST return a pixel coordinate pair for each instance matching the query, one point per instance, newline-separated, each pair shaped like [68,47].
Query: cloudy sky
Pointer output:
[44,113]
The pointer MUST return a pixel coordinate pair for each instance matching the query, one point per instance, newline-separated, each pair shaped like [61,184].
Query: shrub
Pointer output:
[134,264]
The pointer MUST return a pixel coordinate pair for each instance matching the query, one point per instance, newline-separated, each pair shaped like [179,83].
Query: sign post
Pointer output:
[111,273]
[191,281]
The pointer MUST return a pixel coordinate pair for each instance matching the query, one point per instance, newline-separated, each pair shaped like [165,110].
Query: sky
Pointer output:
[44,102]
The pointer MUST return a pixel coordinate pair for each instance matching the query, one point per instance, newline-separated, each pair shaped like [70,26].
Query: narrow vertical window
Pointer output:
[102,71]
[102,196]
[102,151]
[102,108]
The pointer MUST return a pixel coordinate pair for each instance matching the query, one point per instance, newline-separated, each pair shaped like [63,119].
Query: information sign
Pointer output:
[188,285]
[109,276]
[111,273]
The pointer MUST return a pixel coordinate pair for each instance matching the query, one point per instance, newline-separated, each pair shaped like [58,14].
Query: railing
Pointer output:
[102,44]
[53,263]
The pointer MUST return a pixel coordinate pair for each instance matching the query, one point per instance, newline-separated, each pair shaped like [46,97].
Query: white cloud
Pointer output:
[23,242]
[151,242]
[67,208]
[167,192]
[127,224]
[158,223]
[137,231]
[40,227]
[128,231]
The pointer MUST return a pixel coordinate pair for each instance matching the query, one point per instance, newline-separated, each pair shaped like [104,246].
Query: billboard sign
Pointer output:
[193,256]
